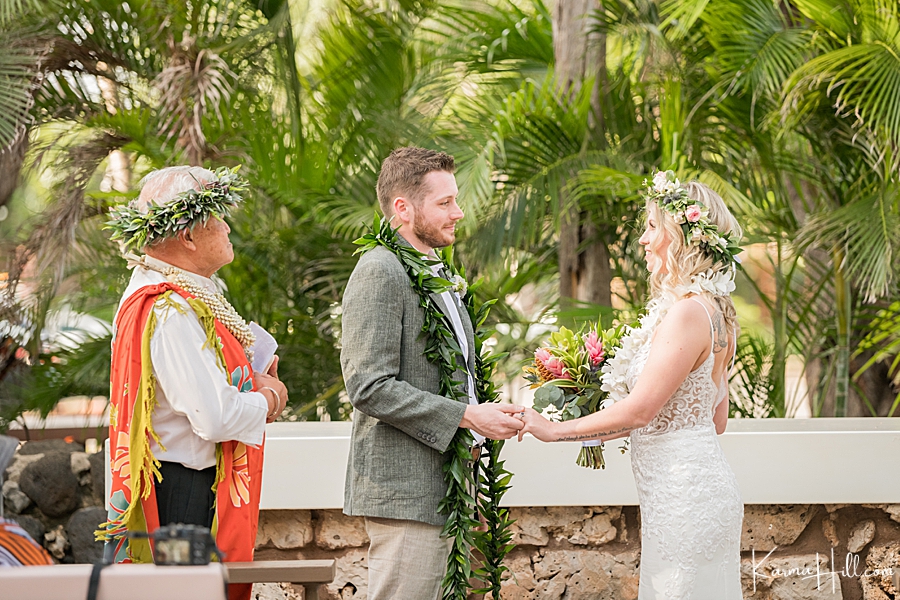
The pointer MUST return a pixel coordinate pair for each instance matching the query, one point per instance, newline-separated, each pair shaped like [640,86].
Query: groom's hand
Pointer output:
[494,421]
[536,425]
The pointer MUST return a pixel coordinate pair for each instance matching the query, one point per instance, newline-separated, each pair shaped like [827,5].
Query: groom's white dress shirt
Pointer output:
[452,300]
[197,406]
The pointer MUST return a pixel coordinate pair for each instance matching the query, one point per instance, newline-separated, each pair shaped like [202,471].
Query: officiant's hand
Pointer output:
[494,421]
[273,368]
[276,394]
[536,425]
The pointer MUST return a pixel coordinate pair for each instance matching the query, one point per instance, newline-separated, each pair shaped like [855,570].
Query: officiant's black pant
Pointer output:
[185,495]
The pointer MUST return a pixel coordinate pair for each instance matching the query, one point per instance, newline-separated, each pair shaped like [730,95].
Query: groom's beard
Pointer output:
[432,235]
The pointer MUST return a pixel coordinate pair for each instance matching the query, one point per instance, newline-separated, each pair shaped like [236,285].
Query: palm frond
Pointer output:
[883,343]
[858,72]
[752,391]
[19,78]
[195,84]
[493,37]
[866,230]
[761,47]
[681,15]
[82,371]
[52,240]
[13,9]
[834,16]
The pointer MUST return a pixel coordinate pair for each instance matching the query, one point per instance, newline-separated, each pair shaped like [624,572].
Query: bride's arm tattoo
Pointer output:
[721,341]
[591,436]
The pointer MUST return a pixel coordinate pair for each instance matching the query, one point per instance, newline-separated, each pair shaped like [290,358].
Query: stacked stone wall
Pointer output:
[797,552]
[789,552]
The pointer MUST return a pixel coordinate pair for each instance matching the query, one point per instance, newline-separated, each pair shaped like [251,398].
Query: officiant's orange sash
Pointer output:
[132,400]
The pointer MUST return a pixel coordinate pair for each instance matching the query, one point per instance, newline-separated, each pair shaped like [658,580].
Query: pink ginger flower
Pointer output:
[594,348]
[543,355]
[556,366]
[553,364]
[693,213]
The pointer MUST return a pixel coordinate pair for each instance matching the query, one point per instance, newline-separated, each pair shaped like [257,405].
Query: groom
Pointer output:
[401,426]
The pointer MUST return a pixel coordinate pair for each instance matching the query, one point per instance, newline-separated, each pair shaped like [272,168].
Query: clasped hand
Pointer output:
[277,401]
[536,425]
[494,421]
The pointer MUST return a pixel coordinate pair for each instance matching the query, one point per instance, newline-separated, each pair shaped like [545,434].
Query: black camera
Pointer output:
[179,544]
[176,544]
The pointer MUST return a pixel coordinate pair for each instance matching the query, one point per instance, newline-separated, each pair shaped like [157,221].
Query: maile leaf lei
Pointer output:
[459,506]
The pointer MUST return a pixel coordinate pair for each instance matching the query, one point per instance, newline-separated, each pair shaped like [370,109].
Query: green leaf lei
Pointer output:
[134,229]
[459,505]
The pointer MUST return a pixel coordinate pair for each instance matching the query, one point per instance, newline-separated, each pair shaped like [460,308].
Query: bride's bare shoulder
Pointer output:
[688,310]
[686,318]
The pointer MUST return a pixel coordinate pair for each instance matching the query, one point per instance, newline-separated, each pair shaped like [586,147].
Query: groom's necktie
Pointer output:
[442,273]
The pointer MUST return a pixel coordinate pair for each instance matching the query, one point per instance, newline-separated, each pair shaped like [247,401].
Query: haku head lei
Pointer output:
[693,216]
[134,228]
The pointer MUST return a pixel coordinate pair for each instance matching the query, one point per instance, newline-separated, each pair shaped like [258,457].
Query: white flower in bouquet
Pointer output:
[614,372]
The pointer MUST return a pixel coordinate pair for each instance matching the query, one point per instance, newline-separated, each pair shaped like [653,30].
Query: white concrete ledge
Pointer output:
[79,427]
[776,461]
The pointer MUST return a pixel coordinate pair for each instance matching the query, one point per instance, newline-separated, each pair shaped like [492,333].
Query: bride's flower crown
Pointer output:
[693,216]
[134,229]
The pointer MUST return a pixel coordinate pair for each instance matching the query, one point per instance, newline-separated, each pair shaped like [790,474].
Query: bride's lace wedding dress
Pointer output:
[691,508]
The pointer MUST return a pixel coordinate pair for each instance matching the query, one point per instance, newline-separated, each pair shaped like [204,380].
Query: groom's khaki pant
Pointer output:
[407,559]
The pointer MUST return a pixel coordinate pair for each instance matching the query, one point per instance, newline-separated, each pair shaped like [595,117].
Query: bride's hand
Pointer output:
[536,425]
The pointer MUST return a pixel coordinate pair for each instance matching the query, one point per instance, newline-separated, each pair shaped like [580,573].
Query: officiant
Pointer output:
[191,386]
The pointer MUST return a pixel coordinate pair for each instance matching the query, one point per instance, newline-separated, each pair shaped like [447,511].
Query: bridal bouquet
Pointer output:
[567,376]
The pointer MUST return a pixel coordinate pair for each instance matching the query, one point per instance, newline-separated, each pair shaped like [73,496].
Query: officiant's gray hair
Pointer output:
[161,186]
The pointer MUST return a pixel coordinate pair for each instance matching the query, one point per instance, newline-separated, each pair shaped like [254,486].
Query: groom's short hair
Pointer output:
[403,173]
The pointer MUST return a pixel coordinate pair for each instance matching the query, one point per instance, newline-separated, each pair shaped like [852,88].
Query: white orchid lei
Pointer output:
[614,378]
[614,372]
[718,283]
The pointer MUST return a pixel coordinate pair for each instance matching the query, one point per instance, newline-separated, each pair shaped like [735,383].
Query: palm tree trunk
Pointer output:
[11,160]
[289,56]
[584,261]
[779,326]
[843,308]
[584,270]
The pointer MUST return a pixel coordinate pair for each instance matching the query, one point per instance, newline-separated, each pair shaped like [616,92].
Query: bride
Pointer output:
[669,383]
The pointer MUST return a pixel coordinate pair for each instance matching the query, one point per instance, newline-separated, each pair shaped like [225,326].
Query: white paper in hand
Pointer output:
[263,348]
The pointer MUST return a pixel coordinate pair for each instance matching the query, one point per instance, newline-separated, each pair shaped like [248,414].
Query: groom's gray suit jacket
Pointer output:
[401,426]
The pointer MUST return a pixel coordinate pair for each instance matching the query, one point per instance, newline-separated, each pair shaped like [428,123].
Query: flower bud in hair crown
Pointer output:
[134,229]
[693,217]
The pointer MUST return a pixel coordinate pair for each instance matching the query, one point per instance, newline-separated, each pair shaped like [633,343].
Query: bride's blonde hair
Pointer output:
[684,260]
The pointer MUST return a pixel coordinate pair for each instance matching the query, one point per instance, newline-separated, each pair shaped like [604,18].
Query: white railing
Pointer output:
[776,461]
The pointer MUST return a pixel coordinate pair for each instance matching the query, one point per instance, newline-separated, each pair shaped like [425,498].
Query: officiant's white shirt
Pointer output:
[197,406]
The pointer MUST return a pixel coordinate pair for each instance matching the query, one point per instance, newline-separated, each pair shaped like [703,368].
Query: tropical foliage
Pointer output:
[786,107]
